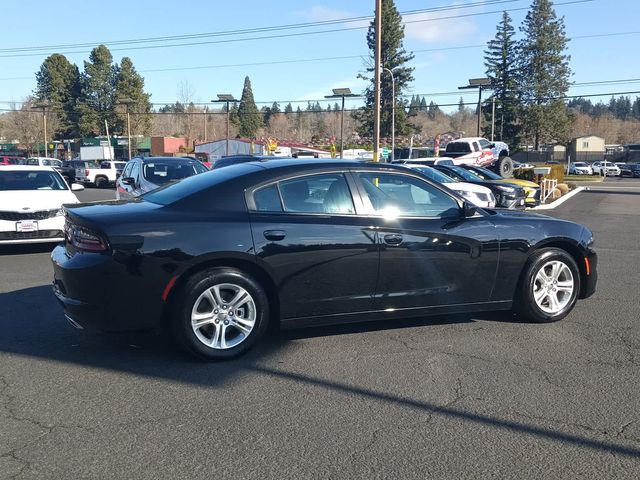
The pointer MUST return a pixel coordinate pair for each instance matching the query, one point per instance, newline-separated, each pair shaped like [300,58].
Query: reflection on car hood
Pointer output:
[521,183]
[34,200]
[468,187]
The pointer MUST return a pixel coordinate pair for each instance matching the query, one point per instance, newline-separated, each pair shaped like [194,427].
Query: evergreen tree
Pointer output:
[394,57]
[422,106]
[336,107]
[501,62]
[461,105]
[130,86]
[249,116]
[58,81]
[635,109]
[433,110]
[96,101]
[543,77]
[288,108]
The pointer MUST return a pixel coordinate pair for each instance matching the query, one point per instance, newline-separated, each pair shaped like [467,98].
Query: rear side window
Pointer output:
[267,199]
[325,193]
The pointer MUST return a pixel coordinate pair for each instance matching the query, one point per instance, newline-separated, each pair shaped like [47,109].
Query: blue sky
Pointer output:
[440,65]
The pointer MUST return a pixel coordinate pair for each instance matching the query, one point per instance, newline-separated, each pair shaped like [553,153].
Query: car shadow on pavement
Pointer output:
[32,325]
[29,248]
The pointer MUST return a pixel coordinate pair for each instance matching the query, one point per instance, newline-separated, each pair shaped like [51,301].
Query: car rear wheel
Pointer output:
[223,314]
[549,287]
[101,182]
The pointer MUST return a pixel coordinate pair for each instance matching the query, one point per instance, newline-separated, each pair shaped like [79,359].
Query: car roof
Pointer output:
[27,168]
[288,162]
[168,159]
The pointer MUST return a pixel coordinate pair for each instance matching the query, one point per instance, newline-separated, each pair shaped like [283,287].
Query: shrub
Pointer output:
[557,193]
[557,172]
[572,185]
[563,187]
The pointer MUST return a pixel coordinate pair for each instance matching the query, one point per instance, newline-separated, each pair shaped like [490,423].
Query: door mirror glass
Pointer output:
[468,210]
[128,181]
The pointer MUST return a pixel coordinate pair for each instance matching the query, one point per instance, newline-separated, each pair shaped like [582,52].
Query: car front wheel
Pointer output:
[549,287]
[222,315]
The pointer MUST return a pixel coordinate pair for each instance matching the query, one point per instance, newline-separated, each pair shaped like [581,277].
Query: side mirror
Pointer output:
[468,210]
[492,145]
[129,181]
[76,187]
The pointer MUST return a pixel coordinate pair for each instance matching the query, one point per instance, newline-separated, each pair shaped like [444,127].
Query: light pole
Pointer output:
[226,98]
[44,105]
[376,86]
[127,102]
[478,83]
[393,113]
[341,93]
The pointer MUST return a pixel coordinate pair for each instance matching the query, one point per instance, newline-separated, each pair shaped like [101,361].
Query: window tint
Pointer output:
[127,170]
[327,193]
[458,147]
[165,172]
[267,199]
[135,172]
[406,196]
[475,147]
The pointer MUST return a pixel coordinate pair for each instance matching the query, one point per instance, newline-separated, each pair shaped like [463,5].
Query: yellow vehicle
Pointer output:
[531,189]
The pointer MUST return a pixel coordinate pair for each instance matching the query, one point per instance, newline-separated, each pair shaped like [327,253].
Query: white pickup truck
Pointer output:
[100,174]
[481,152]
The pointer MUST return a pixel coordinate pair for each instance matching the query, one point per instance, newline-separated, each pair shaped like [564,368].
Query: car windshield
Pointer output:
[485,174]
[465,175]
[160,173]
[30,180]
[435,175]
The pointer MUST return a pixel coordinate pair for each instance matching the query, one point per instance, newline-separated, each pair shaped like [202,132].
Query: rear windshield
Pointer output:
[30,180]
[435,175]
[461,147]
[465,175]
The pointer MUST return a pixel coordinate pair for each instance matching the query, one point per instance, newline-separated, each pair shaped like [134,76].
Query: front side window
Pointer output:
[405,196]
[324,193]
[484,144]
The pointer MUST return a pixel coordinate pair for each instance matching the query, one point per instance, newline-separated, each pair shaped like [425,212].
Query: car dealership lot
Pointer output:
[469,396]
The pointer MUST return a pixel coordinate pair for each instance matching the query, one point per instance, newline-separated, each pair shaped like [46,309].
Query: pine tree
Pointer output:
[635,109]
[96,101]
[543,77]
[394,57]
[288,108]
[422,106]
[433,110]
[461,105]
[58,81]
[501,62]
[130,86]
[249,116]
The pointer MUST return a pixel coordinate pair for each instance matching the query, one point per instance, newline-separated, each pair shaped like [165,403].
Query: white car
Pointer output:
[43,162]
[605,168]
[476,194]
[31,200]
[580,168]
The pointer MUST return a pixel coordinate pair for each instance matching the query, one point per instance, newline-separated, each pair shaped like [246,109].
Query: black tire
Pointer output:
[190,299]
[101,182]
[525,304]
[504,167]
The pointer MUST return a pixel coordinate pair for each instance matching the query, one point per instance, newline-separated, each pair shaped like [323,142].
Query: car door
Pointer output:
[323,256]
[430,254]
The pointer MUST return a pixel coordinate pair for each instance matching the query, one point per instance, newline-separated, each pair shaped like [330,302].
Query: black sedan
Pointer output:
[219,255]
[507,196]
[141,175]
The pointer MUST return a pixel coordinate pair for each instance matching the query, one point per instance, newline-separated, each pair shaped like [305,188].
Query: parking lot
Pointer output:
[446,397]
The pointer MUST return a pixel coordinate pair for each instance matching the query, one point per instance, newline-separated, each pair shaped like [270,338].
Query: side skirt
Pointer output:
[389,314]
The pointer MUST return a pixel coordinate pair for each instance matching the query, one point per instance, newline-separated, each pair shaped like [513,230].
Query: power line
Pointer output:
[288,35]
[253,29]
[223,112]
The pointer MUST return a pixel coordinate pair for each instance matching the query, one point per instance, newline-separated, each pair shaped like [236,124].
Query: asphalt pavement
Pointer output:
[447,397]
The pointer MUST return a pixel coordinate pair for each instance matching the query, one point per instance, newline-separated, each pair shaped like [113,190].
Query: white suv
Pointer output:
[102,174]
[605,168]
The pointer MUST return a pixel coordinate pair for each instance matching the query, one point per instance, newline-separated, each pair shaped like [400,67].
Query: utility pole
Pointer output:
[127,102]
[341,93]
[478,83]
[376,87]
[44,105]
[493,116]
[226,98]
[393,114]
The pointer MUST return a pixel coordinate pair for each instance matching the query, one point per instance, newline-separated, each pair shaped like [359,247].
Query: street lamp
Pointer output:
[44,105]
[393,113]
[341,93]
[226,98]
[127,102]
[478,83]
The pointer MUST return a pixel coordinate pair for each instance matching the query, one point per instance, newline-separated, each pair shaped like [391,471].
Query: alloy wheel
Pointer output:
[553,287]
[223,316]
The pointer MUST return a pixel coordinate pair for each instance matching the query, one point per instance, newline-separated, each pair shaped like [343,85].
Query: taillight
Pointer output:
[85,239]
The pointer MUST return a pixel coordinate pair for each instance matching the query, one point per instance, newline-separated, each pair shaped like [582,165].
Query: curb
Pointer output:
[560,201]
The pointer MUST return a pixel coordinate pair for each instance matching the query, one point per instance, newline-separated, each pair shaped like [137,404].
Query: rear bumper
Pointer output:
[101,292]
